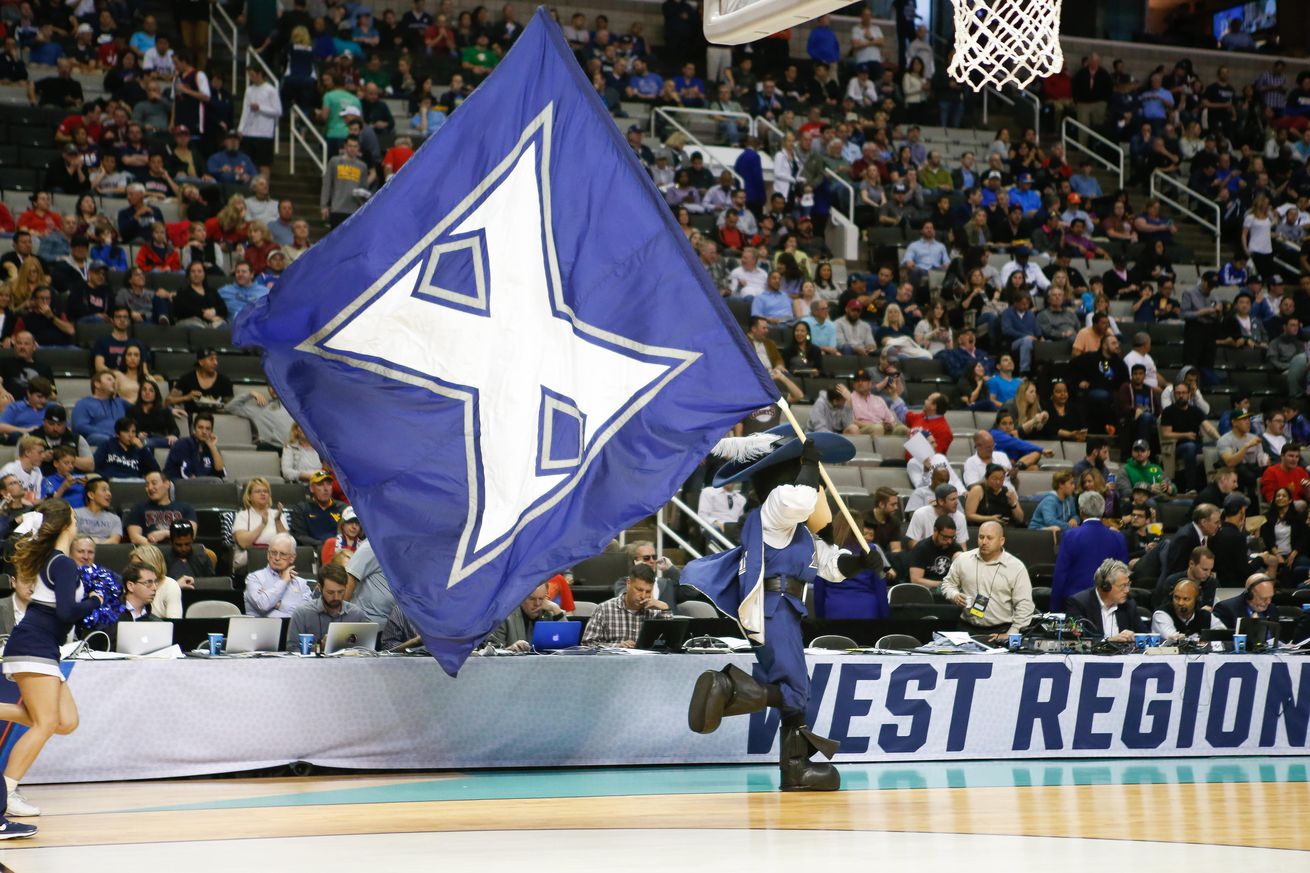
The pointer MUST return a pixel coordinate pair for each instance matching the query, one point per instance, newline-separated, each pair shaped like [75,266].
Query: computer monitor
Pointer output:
[1261,635]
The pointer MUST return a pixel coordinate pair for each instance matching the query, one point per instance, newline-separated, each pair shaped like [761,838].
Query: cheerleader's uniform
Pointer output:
[56,606]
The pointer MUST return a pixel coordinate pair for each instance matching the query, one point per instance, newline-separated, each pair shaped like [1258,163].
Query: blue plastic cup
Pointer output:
[1142,640]
[1156,640]
[215,644]
[1016,642]
[1239,643]
[306,643]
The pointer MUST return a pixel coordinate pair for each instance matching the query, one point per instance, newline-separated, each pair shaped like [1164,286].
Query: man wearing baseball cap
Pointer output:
[315,520]
[1141,470]
[90,303]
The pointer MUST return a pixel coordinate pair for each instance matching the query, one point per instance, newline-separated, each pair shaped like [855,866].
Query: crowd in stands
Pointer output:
[979,274]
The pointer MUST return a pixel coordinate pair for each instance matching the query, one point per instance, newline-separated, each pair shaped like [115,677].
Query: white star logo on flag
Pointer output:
[543,391]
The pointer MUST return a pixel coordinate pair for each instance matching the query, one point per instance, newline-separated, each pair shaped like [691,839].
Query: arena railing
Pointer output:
[845,221]
[1182,195]
[1028,96]
[666,113]
[302,131]
[1072,142]
[222,24]
[713,536]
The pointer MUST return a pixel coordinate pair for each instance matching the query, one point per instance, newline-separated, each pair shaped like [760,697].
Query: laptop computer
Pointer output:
[664,634]
[550,635]
[1261,635]
[246,634]
[143,637]
[350,634]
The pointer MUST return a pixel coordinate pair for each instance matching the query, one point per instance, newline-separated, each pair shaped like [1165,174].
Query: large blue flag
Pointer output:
[510,353]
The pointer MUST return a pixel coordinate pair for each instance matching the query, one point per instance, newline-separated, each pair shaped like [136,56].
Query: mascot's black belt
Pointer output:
[786,584]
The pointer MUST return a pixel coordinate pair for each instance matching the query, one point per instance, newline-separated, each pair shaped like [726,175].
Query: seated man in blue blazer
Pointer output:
[1257,601]
[1106,606]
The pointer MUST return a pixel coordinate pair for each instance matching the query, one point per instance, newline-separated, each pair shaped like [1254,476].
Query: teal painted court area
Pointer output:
[652,781]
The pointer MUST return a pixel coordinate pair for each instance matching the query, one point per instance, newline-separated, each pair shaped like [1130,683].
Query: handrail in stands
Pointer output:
[1027,95]
[666,113]
[1158,179]
[222,24]
[300,124]
[710,530]
[849,216]
[1069,141]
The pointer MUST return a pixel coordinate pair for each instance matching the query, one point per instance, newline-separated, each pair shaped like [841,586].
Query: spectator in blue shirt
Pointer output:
[1003,384]
[1006,434]
[823,47]
[1085,184]
[772,304]
[1235,272]
[144,39]
[643,85]
[94,416]
[26,415]
[63,483]
[1023,195]
[1019,327]
[230,165]
[1058,510]
[1157,102]
[242,292]
[196,455]
[924,254]
[690,87]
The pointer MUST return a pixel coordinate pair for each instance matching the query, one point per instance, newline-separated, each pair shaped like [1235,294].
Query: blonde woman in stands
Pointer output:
[257,523]
[1027,407]
[300,460]
[168,601]
[30,277]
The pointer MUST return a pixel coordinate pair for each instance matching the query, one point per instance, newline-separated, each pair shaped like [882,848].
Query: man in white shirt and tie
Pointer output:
[721,506]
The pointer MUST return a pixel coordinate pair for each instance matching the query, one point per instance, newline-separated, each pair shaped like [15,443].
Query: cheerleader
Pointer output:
[31,657]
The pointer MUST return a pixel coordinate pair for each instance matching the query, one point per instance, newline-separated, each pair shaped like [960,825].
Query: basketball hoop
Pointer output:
[733,22]
[1000,42]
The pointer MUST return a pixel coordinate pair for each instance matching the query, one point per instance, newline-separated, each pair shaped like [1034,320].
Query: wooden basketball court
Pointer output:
[1202,812]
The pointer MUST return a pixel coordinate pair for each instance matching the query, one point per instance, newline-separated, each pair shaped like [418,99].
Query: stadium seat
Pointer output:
[696,609]
[584,608]
[836,642]
[907,593]
[212,609]
[245,464]
[897,642]
[66,363]
[213,583]
[602,570]
[114,556]
[207,493]
[233,432]
[163,338]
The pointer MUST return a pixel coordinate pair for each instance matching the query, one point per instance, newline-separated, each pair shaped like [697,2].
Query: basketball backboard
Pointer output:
[732,22]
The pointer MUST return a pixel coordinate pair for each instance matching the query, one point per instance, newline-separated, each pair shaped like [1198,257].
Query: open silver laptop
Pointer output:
[143,637]
[246,634]
[350,634]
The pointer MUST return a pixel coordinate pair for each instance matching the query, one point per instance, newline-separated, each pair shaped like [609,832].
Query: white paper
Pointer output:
[919,447]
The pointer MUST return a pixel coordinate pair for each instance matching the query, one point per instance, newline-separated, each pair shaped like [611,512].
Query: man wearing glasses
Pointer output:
[140,584]
[276,591]
[642,553]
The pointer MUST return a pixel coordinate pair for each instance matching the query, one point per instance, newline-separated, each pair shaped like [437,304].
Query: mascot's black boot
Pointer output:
[731,691]
[799,773]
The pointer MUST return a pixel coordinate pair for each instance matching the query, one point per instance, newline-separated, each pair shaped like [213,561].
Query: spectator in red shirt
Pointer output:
[158,255]
[558,590]
[40,219]
[91,119]
[7,224]
[730,236]
[1288,473]
[1057,90]
[933,420]
[396,156]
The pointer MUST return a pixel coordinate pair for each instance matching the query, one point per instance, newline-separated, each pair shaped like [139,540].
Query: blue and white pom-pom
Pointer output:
[97,579]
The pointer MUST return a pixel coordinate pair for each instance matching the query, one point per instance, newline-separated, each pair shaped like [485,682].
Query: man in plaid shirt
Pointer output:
[617,622]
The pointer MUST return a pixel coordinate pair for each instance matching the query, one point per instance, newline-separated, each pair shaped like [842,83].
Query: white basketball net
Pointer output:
[1006,41]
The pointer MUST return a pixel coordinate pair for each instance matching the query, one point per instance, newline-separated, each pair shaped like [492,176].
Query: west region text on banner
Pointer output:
[509,353]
